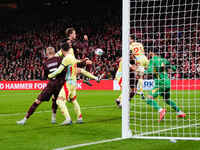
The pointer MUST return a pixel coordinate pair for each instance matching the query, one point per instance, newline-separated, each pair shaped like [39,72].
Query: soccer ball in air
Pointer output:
[99,52]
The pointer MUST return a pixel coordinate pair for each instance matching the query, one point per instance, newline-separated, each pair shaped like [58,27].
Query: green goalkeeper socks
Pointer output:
[157,107]
[154,104]
[173,105]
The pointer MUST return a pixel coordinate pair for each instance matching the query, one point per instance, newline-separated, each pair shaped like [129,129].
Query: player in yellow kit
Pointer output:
[118,77]
[71,35]
[68,91]
[142,62]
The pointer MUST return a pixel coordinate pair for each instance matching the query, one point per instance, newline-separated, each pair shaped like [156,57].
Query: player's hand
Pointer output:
[85,59]
[133,67]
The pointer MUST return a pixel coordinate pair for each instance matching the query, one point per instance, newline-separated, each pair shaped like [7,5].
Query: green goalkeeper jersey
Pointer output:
[158,67]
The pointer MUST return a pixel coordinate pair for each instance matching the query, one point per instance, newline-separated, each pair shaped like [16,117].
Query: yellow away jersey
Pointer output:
[137,49]
[70,63]
[59,53]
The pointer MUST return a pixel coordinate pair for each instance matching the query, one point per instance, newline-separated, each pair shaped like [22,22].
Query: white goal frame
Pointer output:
[126,130]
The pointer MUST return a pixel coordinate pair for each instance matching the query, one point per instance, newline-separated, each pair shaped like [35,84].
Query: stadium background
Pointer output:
[28,27]
[32,26]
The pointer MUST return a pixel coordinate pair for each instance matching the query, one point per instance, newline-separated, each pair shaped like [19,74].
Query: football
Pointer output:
[99,52]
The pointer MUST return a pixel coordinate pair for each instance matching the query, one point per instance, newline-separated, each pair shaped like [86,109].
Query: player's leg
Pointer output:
[88,74]
[77,111]
[139,76]
[56,91]
[45,95]
[140,83]
[133,85]
[151,101]
[54,110]
[29,112]
[119,99]
[153,94]
[61,102]
[76,105]
[171,103]
[86,81]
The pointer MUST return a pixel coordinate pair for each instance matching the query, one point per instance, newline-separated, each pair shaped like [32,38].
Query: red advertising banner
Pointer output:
[185,84]
[103,85]
[23,85]
[39,85]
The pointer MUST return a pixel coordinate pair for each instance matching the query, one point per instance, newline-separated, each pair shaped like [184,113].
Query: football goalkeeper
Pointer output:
[158,68]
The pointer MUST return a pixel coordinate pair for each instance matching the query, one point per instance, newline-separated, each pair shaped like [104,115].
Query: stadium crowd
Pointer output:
[22,49]
[22,53]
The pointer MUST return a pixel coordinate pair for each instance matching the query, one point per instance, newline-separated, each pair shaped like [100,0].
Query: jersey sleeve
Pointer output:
[69,59]
[59,53]
[56,72]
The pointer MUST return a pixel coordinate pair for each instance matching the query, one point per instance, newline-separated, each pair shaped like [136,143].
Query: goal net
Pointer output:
[169,29]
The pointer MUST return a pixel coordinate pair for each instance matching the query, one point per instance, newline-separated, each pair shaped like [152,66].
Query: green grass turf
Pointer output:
[102,121]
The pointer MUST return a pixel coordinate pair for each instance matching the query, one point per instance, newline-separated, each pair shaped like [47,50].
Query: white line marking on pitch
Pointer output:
[38,112]
[142,136]
[87,144]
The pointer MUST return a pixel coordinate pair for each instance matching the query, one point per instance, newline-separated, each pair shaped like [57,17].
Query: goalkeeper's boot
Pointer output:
[21,122]
[87,82]
[162,114]
[66,122]
[180,114]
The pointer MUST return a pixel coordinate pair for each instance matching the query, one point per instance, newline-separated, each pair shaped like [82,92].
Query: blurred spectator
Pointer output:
[22,53]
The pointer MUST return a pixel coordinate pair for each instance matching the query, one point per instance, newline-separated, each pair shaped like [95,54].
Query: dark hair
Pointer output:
[69,31]
[64,45]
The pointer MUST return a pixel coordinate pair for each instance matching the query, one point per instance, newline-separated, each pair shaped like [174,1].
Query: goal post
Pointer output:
[126,132]
[171,29]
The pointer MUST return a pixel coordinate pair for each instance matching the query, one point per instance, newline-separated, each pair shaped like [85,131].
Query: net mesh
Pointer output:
[171,28]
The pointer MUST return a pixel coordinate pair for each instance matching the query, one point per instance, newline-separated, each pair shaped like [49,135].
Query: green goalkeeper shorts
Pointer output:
[160,90]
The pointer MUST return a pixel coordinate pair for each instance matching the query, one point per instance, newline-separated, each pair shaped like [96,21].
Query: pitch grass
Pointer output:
[102,121]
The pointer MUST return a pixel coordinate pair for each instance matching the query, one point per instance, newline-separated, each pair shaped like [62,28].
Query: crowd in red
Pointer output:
[22,52]
[179,44]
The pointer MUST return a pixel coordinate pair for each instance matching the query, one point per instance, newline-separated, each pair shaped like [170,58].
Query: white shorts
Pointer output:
[140,70]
